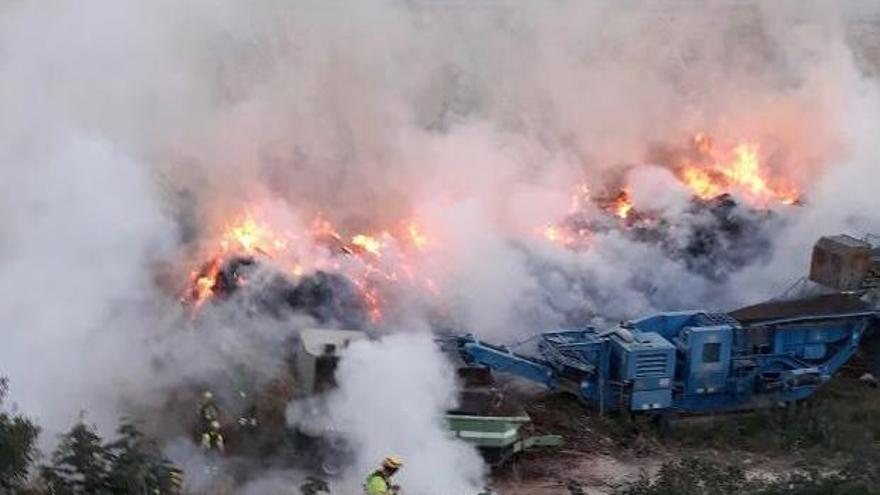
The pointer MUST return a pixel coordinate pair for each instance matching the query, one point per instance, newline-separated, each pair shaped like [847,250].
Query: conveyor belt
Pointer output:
[824,305]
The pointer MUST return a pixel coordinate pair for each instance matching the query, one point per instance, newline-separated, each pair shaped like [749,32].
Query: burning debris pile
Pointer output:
[710,173]
[725,225]
[341,281]
[730,206]
[396,171]
[329,298]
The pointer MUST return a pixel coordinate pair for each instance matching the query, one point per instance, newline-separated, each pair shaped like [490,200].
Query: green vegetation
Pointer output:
[841,421]
[832,441]
[18,435]
[130,465]
[694,476]
[82,464]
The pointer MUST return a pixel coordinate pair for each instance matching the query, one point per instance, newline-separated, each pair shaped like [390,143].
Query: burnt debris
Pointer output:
[329,298]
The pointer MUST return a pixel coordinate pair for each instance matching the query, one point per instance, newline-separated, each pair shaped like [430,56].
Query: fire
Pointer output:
[707,171]
[738,171]
[565,236]
[419,239]
[244,236]
[623,205]
[297,270]
[372,300]
[368,243]
[323,230]
[553,233]
[701,182]
[372,262]
[204,282]
[248,236]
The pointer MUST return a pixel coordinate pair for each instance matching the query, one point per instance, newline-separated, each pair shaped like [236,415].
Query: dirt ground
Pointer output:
[550,474]
[603,452]
[599,474]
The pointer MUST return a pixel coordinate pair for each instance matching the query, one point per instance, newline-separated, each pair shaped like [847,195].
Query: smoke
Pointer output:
[79,225]
[391,399]
[133,132]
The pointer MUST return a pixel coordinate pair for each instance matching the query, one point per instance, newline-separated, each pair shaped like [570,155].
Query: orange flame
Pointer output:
[740,172]
[564,236]
[204,282]
[375,260]
[701,182]
[623,205]
[244,236]
[419,239]
[553,233]
[323,229]
[249,236]
[368,243]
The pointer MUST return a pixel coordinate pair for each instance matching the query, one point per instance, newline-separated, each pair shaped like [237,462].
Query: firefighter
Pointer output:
[208,410]
[175,483]
[209,423]
[176,480]
[212,439]
[379,481]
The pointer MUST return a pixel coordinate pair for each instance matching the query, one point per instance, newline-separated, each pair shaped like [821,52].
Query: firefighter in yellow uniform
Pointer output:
[212,439]
[379,481]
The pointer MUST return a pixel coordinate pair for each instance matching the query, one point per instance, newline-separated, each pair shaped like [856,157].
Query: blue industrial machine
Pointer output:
[695,361]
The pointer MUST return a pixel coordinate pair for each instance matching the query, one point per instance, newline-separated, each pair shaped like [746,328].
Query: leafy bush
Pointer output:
[692,476]
[131,465]
[18,435]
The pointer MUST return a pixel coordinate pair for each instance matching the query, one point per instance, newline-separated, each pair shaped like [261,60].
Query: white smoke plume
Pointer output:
[391,399]
[133,131]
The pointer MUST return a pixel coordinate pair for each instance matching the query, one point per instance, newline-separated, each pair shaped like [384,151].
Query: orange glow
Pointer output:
[297,270]
[203,283]
[553,234]
[419,240]
[372,300]
[374,263]
[367,243]
[701,182]
[623,205]
[321,228]
[563,236]
[738,171]
[248,236]
[703,143]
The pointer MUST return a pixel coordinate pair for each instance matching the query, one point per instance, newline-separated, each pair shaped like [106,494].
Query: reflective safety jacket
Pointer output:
[376,484]
[212,440]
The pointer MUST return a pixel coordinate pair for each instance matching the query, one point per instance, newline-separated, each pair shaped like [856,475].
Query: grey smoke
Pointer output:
[129,126]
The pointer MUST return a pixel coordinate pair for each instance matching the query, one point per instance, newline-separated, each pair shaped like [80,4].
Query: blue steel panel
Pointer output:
[813,351]
[708,377]
[508,362]
[666,324]
[651,400]
[805,352]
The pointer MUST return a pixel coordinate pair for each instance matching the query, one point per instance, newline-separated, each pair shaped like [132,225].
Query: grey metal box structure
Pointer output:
[840,262]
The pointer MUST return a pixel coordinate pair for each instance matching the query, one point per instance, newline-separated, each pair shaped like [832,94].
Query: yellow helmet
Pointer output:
[392,462]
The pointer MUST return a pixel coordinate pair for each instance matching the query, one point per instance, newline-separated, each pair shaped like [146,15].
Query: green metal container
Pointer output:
[487,431]
[497,437]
